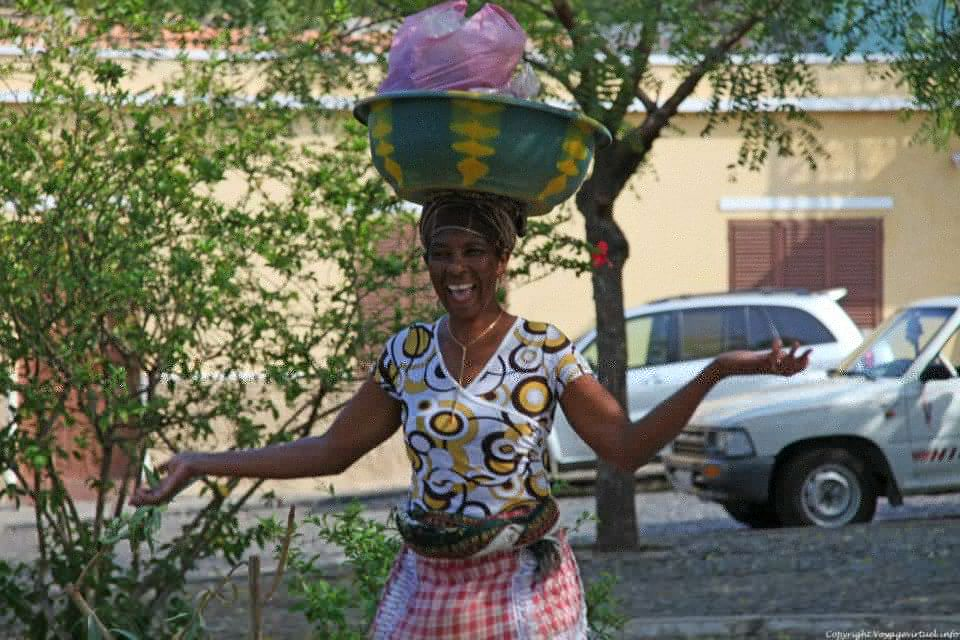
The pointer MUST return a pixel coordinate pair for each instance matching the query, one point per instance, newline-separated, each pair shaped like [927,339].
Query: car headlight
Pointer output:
[731,443]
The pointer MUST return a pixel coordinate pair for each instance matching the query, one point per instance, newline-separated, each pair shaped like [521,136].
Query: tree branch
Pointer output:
[639,57]
[640,138]
[85,608]
[583,93]
[552,72]
[564,13]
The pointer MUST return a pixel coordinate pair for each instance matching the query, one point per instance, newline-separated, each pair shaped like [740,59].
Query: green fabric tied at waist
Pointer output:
[446,535]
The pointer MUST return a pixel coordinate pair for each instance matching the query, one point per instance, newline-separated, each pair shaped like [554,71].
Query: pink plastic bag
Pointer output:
[439,49]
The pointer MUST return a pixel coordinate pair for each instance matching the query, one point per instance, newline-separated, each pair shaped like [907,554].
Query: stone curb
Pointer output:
[838,626]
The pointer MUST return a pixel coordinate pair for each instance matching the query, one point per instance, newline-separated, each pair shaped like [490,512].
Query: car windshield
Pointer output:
[893,347]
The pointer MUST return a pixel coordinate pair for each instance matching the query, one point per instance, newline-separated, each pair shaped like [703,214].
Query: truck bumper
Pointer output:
[720,479]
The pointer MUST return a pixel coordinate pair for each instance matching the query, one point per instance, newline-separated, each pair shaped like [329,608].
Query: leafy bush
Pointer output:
[342,608]
[157,245]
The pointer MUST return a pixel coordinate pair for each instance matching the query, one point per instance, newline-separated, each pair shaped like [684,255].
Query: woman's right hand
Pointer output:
[178,473]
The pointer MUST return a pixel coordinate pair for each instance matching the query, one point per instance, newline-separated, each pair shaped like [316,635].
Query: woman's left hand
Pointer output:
[777,361]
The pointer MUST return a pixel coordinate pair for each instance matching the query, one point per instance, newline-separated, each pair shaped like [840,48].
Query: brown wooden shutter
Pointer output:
[755,253]
[814,255]
[855,261]
[805,247]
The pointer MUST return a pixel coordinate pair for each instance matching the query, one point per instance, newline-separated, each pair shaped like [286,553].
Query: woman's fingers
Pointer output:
[775,357]
[146,496]
[141,497]
[795,363]
[176,476]
[776,349]
[160,494]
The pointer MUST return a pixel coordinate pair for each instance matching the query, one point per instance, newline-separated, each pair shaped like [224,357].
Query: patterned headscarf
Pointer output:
[497,219]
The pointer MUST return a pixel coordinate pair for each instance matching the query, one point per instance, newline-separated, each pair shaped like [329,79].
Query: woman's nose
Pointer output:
[458,262]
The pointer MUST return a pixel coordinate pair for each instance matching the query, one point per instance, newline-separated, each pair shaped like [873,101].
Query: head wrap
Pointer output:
[498,219]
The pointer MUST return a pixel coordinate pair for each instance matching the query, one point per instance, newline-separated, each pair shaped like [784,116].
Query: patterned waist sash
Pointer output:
[447,535]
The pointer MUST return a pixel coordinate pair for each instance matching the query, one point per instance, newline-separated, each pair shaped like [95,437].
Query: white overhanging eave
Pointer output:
[805,203]
[655,59]
[847,104]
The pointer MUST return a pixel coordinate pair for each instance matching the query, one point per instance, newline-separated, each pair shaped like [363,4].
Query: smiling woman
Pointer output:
[477,389]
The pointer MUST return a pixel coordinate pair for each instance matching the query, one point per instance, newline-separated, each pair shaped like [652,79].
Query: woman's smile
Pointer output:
[462,293]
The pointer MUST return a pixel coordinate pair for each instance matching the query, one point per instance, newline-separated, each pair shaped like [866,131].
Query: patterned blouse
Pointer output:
[479,450]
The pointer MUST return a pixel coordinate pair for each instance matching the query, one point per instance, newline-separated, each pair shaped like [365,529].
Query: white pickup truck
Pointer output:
[886,422]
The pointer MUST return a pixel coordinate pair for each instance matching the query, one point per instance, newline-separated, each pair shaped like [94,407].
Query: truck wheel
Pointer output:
[753,514]
[825,488]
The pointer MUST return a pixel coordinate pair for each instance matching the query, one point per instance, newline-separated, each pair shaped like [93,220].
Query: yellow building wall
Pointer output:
[671,216]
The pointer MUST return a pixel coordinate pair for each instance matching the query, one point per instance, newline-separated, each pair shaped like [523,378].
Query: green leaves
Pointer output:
[929,64]
[604,609]
[140,527]
[370,547]
[208,170]
[36,456]
[109,73]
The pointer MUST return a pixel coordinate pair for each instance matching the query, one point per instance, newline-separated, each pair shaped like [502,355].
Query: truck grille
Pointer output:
[689,442]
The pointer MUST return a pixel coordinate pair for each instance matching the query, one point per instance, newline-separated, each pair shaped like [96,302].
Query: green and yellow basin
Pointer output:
[427,141]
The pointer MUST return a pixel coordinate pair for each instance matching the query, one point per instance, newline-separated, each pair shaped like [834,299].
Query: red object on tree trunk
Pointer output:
[600,254]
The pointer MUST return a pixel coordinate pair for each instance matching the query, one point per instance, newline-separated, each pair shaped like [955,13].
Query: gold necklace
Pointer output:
[463,347]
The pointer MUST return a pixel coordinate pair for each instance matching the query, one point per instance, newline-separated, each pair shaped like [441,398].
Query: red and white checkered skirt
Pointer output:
[491,597]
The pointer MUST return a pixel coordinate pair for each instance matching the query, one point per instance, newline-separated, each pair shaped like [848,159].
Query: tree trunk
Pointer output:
[616,511]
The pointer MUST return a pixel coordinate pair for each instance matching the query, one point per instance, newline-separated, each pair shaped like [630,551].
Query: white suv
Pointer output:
[670,341]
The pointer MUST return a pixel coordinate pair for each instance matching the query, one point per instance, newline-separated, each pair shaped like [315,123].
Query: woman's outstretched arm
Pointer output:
[369,418]
[601,422]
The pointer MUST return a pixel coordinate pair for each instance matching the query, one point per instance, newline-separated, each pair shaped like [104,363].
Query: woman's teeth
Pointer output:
[460,292]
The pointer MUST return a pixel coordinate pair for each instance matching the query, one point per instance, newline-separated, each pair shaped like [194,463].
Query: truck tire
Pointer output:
[753,514]
[824,487]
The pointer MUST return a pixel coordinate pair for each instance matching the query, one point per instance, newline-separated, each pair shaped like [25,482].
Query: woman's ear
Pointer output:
[502,265]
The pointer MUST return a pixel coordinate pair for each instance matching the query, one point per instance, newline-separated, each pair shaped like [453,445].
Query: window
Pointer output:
[891,350]
[794,325]
[736,327]
[762,333]
[648,341]
[708,332]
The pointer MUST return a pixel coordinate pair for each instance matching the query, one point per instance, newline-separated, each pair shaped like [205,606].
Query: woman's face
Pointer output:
[464,269]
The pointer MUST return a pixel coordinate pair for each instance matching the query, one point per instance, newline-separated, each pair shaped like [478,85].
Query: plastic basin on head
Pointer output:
[428,141]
